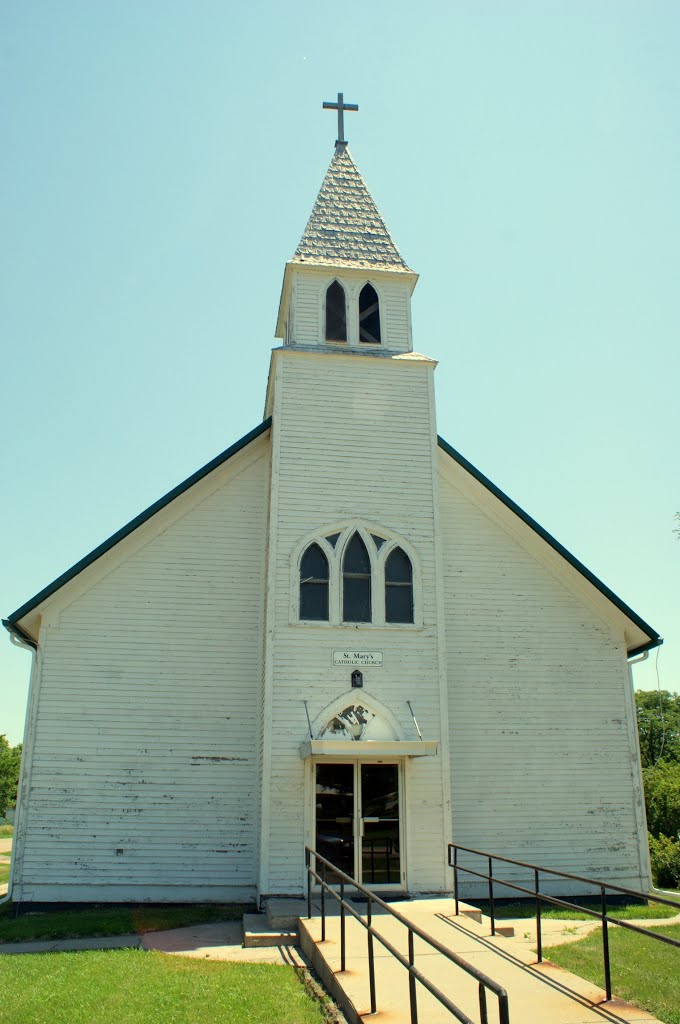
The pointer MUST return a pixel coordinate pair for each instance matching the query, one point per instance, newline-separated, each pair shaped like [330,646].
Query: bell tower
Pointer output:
[352,541]
[347,286]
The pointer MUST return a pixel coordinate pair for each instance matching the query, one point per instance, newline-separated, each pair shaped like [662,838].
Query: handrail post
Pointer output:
[309,883]
[483,1015]
[605,944]
[412,980]
[539,936]
[492,908]
[342,926]
[455,876]
[371,964]
[323,901]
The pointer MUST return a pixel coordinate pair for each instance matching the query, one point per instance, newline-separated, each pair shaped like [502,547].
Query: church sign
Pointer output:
[368,659]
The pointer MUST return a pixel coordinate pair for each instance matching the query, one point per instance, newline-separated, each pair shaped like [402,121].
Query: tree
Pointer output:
[10,762]
[658,716]
[662,799]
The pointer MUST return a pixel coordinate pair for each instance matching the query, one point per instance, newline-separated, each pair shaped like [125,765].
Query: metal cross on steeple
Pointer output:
[341,107]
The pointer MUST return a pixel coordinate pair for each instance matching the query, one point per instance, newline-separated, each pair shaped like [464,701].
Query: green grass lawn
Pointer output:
[131,986]
[628,911]
[4,871]
[103,920]
[644,972]
[6,831]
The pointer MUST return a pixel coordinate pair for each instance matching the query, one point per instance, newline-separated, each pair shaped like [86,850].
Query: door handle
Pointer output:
[370,819]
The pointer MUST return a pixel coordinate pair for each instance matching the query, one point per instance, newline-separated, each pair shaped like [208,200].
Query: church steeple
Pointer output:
[345,228]
[347,283]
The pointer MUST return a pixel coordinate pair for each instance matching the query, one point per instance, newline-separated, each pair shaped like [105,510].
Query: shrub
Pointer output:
[665,857]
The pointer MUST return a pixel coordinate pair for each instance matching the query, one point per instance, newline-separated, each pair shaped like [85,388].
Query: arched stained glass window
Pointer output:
[369,315]
[336,313]
[398,587]
[356,582]
[314,584]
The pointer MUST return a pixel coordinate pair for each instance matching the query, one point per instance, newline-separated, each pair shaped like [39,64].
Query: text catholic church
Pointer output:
[337,633]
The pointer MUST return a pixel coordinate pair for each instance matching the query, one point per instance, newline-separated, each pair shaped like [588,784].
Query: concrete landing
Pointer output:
[218,941]
[538,993]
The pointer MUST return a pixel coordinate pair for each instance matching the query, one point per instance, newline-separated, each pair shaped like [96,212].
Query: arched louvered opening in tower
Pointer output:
[369,316]
[398,587]
[314,584]
[356,582]
[336,313]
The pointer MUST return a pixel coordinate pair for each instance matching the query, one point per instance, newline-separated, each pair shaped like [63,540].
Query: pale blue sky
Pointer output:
[160,160]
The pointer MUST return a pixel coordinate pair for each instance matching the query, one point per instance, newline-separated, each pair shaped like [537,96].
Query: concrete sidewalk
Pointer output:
[538,993]
[221,940]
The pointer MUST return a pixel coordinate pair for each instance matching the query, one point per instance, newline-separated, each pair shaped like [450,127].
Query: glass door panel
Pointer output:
[380,854]
[335,816]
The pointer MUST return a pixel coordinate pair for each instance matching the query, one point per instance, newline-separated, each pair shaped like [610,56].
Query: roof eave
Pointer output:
[20,634]
[355,267]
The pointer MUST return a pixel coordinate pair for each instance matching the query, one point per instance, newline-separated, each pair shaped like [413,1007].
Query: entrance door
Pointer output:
[358,821]
[379,825]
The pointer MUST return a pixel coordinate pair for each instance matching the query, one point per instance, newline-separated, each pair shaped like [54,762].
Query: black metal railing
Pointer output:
[341,879]
[601,889]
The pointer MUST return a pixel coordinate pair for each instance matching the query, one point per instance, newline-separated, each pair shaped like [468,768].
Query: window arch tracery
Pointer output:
[355,573]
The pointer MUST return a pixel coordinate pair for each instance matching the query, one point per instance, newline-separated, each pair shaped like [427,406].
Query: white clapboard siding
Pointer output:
[145,775]
[353,440]
[395,314]
[542,765]
[307,306]
[307,309]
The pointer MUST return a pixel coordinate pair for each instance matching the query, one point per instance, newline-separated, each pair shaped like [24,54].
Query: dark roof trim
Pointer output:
[67,576]
[20,634]
[655,640]
[643,648]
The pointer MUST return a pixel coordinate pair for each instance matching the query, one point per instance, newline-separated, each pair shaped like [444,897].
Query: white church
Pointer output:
[338,633]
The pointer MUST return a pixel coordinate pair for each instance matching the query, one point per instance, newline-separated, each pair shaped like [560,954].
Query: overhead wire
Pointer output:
[661,713]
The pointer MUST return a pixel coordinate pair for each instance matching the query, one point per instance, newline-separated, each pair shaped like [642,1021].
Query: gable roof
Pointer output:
[345,228]
[11,622]
[654,639]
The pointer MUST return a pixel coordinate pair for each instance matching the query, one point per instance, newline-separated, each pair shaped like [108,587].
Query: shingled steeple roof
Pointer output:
[345,228]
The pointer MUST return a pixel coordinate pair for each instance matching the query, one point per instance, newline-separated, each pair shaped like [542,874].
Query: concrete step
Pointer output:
[283,913]
[257,931]
[471,913]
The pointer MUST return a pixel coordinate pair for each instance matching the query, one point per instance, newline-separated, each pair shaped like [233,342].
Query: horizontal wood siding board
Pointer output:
[544,773]
[145,768]
[144,892]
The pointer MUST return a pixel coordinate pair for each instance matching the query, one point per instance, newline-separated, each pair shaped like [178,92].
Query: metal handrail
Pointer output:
[483,980]
[539,897]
